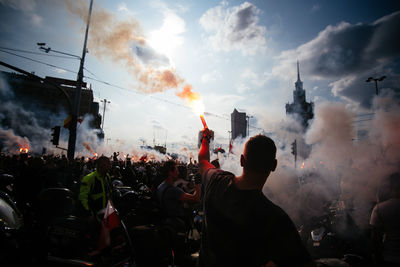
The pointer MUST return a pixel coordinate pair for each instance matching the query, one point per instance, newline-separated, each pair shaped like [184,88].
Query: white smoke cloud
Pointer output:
[234,29]
[340,166]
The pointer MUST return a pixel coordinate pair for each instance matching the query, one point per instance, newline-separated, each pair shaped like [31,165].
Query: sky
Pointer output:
[144,55]
[234,54]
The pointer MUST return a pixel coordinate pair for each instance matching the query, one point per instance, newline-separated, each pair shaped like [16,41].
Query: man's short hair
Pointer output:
[259,153]
[167,167]
[101,160]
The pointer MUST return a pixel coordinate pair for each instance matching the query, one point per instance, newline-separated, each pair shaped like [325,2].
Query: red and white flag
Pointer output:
[110,221]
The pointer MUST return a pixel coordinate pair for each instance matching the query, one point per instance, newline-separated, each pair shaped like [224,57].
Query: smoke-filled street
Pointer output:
[199,133]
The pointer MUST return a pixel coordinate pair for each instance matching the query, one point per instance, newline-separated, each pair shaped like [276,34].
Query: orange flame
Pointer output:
[192,98]
[23,149]
[302,165]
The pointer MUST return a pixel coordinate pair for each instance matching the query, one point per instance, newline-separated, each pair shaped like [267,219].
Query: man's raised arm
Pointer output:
[204,153]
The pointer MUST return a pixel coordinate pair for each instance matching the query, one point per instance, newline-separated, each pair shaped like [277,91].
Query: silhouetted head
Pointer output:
[259,155]
[215,162]
[170,169]
[103,165]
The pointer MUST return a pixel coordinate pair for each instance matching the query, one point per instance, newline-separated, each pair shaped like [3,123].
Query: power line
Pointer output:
[120,87]
[38,61]
[35,53]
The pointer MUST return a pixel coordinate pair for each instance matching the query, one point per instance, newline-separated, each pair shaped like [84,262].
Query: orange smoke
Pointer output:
[193,99]
[114,39]
[88,147]
[188,94]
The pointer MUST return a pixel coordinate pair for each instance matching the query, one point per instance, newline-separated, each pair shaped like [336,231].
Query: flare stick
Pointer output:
[203,121]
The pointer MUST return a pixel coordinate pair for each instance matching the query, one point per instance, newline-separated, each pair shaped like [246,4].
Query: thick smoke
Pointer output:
[123,42]
[342,165]
[22,124]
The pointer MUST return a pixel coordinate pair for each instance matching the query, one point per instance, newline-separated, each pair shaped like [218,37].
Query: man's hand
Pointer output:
[206,134]
[204,153]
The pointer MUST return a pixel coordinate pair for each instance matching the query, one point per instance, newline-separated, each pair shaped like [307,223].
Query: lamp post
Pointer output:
[104,113]
[248,124]
[376,80]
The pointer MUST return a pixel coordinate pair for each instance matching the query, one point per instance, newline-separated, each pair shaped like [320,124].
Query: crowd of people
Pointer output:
[242,227]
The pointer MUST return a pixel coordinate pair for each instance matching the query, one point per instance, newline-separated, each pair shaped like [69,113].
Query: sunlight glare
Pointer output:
[166,39]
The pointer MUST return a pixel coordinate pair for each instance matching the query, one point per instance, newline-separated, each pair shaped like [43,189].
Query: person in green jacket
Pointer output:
[95,188]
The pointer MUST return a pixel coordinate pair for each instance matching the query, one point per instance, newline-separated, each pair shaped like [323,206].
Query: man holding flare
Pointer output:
[242,226]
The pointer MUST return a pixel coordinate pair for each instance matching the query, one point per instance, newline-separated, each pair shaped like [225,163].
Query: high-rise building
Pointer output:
[300,108]
[238,124]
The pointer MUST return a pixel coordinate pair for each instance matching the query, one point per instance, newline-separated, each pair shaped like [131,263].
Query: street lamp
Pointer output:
[370,79]
[248,124]
[104,112]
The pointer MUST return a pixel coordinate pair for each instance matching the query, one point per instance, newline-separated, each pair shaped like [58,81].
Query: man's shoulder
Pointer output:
[215,173]
[90,176]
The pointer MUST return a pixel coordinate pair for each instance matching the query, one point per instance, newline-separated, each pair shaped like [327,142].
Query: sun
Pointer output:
[167,39]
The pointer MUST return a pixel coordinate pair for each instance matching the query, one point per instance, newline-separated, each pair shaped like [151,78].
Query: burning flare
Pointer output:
[88,147]
[194,101]
[203,121]
[24,150]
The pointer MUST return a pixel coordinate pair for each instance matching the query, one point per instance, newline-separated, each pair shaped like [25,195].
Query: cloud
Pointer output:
[156,124]
[169,37]
[23,5]
[346,54]
[211,76]
[255,78]
[26,6]
[150,57]
[234,29]
[242,88]
[315,8]
[36,20]
[122,7]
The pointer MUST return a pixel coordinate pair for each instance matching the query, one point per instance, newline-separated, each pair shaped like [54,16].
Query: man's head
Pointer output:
[103,165]
[170,170]
[394,180]
[259,155]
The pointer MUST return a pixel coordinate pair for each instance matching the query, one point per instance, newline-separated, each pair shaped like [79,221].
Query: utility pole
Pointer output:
[104,113]
[75,111]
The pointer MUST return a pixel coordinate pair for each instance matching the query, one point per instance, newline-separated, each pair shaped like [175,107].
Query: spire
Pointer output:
[298,71]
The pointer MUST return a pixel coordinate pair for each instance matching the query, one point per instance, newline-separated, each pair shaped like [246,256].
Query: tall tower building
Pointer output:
[302,109]
[238,124]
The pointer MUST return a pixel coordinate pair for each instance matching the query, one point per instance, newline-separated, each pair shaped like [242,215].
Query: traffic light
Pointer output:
[294,148]
[56,135]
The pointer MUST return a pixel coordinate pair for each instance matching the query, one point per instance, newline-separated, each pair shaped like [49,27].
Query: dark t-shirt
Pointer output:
[169,199]
[244,228]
